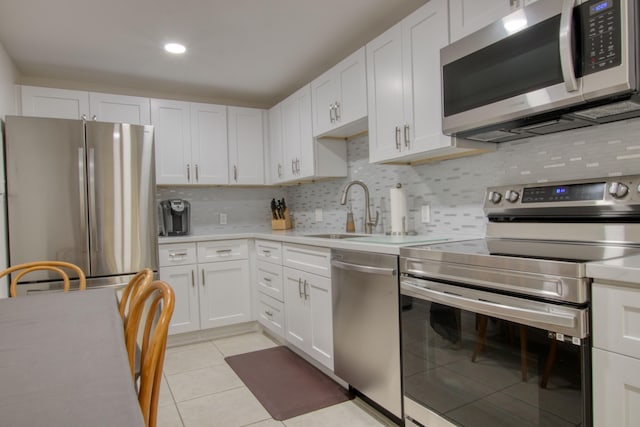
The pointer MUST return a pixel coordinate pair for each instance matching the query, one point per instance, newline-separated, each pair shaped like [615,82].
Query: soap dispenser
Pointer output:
[351,225]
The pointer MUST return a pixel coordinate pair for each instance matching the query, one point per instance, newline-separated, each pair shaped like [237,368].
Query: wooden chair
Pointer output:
[56,266]
[141,278]
[154,342]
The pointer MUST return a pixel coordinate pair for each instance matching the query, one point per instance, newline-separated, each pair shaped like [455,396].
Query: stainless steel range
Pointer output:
[496,331]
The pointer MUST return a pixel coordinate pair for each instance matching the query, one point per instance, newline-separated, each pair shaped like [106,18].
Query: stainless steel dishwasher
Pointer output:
[366,326]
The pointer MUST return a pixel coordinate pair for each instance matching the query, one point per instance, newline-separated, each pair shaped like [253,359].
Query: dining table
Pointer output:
[63,361]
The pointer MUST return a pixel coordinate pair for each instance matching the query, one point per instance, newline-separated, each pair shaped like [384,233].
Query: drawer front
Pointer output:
[308,258]
[269,251]
[271,314]
[177,254]
[222,250]
[616,319]
[270,279]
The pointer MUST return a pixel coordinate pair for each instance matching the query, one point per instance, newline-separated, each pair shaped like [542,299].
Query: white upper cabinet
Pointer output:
[468,16]
[209,150]
[75,104]
[340,98]
[172,136]
[119,108]
[191,142]
[246,145]
[55,103]
[403,84]
[275,164]
[303,157]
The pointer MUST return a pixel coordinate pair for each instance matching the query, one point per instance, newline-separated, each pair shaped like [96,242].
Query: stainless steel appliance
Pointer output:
[176,217]
[497,332]
[82,192]
[366,326]
[551,66]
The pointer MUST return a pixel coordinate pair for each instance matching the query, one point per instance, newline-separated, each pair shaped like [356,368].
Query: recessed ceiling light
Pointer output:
[175,48]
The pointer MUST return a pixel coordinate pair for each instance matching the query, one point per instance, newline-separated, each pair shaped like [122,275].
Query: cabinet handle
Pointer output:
[176,254]
[337,107]
[300,287]
[83,117]
[306,296]
[398,145]
[266,252]
[94,118]
[197,177]
[331,113]
[268,313]
[235,173]
[298,166]
[293,166]
[188,173]
[266,279]
[407,138]
[223,251]
[279,170]
[193,279]
[514,4]
[203,277]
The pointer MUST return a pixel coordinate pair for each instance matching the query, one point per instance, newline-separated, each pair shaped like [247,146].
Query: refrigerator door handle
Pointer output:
[81,186]
[93,226]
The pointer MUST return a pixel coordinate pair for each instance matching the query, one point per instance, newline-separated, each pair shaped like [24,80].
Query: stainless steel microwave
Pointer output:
[551,66]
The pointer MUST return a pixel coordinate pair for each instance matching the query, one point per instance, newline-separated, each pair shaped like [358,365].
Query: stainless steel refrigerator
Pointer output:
[81,192]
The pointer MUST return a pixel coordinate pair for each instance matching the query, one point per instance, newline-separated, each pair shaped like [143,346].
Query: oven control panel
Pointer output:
[621,190]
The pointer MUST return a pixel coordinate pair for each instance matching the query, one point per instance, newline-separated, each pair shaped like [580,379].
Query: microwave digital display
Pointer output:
[599,7]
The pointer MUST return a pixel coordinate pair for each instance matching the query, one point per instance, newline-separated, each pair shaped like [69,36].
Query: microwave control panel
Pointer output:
[601,28]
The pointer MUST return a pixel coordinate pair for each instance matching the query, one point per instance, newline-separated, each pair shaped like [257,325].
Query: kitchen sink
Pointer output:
[336,235]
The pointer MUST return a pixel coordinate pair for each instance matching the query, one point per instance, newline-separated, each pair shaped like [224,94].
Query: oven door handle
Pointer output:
[567,323]
[364,268]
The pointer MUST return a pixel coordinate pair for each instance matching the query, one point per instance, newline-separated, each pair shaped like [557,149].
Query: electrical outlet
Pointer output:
[319,215]
[425,214]
[223,218]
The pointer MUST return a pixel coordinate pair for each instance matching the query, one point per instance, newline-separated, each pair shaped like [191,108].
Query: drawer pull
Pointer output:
[266,279]
[177,254]
[266,252]
[269,313]
[224,251]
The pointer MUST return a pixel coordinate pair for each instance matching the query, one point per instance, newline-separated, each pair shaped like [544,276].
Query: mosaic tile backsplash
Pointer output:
[453,189]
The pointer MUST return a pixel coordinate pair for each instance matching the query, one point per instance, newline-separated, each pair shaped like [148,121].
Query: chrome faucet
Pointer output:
[368,223]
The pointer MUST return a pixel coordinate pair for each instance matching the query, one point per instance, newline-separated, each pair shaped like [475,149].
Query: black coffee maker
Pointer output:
[174,217]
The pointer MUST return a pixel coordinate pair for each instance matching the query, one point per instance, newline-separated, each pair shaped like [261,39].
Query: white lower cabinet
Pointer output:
[211,283]
[307,296]
[616,354]
[269,287]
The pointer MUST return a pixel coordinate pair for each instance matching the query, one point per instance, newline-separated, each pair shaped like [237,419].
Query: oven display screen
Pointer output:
[564,193]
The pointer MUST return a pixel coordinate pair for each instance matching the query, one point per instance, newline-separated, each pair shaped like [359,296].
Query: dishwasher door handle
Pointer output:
[364,268]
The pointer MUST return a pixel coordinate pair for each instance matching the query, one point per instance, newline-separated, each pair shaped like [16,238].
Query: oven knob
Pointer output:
[494,197]
[512,196]
[618,190]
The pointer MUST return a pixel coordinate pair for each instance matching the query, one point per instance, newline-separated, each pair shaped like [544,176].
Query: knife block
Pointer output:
[282,224]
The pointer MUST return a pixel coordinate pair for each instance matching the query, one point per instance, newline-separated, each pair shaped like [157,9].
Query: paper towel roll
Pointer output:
[398,200]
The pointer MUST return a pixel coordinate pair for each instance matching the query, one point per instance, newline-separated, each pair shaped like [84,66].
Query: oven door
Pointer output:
[477,358]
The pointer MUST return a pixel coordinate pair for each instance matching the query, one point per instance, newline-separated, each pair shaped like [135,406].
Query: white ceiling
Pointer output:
[248,52]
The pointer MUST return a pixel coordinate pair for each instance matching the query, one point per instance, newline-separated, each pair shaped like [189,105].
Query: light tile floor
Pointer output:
[199,389]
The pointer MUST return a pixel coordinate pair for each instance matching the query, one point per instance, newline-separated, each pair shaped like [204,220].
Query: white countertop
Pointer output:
[626,269]
[378,243]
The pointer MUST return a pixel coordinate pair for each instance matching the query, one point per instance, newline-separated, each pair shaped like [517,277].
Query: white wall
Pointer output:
[8,79]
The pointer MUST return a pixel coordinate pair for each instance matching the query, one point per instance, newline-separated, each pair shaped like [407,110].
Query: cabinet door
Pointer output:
[186,313]
[173,141]
[105,107]
[325,94]
[306,165]
[318,294]
[209,150]
[385,94]
[291,135]
[276,152]
[297,320]
[424,33]
[468,16]
[225,296]
[616,389]
[55,103]
[246,145]
[352,81]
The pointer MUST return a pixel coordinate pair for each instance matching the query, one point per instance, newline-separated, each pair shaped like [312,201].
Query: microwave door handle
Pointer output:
[564,41]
